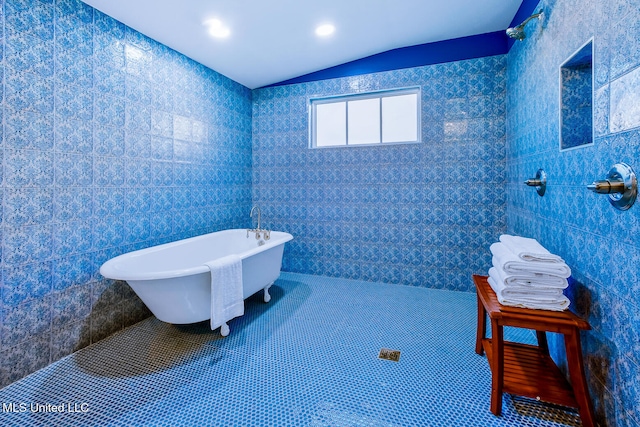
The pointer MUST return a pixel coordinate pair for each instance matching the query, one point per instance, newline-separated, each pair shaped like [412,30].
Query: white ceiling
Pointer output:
[274,40]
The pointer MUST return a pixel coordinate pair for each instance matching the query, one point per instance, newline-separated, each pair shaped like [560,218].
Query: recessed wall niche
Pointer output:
[576,99]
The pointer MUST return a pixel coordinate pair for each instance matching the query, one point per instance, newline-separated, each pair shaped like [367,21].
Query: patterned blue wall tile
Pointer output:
[343,200]
[74,68]
[107,231]
[72,271]
[30,18]
[105,293]
[138,62]
[134,310]
[73,170]
[111,27]
[137,144]
[26,320]
[139,40]
[28,206]
[24,358]
[29,129]
[88,155]
[108,202]
[70,337]
[569,220]
[27,244]
[106,312]
[137,172]
[73,136]
[105,322]
[624,112]
[138,118]
[73,102]
[108,141]
[137,200]
[72,237]
[70,305]
[161,224]
[28,91]
[162,124]
[28,168]
[109,79]
[624,53]
[73,34]
[161,200]
[108,171]
[26,282]
[25,53]
[161,148]
[75,9]
[109,110]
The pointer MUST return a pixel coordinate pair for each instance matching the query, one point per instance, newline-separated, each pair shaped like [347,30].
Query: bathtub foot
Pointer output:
[224,330]
[267,297]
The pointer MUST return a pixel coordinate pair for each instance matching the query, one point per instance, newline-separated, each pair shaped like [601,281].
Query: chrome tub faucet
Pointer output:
[259,232]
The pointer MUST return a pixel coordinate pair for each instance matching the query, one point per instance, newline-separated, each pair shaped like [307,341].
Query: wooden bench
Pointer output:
[528,370]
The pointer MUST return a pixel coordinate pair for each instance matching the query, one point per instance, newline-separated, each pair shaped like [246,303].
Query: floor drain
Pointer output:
[388,354]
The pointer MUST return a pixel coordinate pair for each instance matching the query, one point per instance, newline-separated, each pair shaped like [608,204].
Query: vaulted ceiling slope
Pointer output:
[272,41]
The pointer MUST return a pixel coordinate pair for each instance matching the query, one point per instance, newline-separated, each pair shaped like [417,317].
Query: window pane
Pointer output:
[400,118]
[364,121]
[331,124]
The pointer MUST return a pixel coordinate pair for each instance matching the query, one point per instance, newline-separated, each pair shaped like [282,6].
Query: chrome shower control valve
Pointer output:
[620,184]
[540,182]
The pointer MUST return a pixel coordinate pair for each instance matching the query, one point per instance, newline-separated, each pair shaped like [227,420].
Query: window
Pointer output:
[386,117]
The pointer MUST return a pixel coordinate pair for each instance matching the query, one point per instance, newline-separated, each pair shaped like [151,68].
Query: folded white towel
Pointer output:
[512,264]
[226,290]
[530,279]
[523,291]
[528,249]
[529,301]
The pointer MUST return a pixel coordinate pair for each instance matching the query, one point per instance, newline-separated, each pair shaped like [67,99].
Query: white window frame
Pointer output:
[314,102]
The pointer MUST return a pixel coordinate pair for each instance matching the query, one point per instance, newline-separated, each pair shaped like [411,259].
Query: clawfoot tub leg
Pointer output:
[224,330]
[267,297]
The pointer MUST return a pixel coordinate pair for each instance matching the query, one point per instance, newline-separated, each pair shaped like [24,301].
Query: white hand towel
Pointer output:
[530,279]
[540,303]
[528,249]
[226,289]
[512,264]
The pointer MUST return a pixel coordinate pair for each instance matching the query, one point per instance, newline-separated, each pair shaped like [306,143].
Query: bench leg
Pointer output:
[497,367]
[578,380]
[542,342]
[482,327]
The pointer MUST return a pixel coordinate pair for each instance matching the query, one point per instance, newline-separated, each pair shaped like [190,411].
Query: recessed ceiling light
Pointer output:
[217,29]
[325,30]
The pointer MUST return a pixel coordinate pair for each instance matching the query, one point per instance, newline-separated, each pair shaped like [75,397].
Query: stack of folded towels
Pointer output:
[525,274]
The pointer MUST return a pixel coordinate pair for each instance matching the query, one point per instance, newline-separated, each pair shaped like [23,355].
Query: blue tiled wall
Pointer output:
[601,244]
[419,214]
[111,142]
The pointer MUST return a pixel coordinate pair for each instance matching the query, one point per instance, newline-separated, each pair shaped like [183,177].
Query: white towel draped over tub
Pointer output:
[226,291]
[512,264]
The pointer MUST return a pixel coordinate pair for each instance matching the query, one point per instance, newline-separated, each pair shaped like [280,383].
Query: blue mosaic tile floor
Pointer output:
[307,358]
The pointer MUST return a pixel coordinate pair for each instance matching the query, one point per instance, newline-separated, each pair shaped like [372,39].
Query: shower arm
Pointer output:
[535,15]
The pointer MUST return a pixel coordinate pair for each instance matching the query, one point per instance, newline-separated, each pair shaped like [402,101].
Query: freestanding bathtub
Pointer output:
[172,280]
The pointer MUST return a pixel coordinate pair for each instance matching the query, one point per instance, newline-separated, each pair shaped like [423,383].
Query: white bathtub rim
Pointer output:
[110,269]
